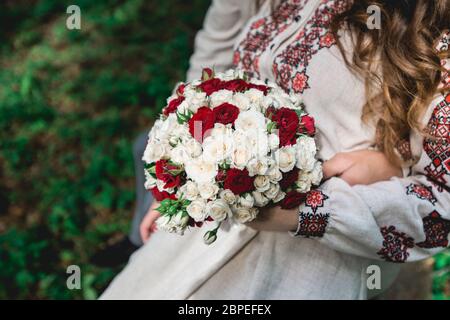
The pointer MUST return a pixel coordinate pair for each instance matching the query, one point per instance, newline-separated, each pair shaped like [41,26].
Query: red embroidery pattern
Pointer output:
[395,245]
[261,34]
[315,199]
[436,231]
[438,146]
[404,148]
[290,66]
[422,192]
[312,225]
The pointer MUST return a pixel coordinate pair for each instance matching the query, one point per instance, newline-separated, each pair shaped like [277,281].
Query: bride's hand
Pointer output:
[148,225]
[361,167]
[275,219]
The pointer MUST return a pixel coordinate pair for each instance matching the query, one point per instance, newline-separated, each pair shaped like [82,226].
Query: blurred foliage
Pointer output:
[71,103]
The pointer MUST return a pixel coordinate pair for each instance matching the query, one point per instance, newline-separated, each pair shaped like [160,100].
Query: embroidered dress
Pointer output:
[342,229]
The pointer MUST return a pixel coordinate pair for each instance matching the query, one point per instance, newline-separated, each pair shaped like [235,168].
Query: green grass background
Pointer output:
[71,103]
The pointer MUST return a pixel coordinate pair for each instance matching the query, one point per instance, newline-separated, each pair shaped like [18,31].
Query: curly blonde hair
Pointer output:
[399,63]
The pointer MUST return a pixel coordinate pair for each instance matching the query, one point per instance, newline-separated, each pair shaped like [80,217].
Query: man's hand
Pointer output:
[361,167]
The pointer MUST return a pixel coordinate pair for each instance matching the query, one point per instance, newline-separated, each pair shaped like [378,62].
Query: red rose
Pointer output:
[307,125]
[286,119]
[289,178]
[259,87]
[236,85]
[292,199]
[210,86]
[207,73]
[173,105]
[166,173]
[161,195]
[200,122]
[180,89]
[238,181]
[271,112]
[287,123]
[287,137]
[221,175]
[225,113]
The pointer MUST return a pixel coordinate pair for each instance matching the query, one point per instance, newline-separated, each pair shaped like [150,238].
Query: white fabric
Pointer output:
[244,264]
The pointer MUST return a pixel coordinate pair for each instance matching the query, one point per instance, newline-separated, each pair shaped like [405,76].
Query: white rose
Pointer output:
[285,157]
[201,170]
[221,130]
[194,99]
[241,101]
[303,182]
[316,174]
[228,196]
[218,210]
[280,196]
[160,185]
[197,210]
[219,97]
[250,120]
[243,215]
[150,181]
[258,142]
[181,131]
[208,190]
[193,147]
[240,156]
[274,141]
[217,148]
[257,166]
[246,200]
[189,190]
[255,96]
[267,102]
[273,191]
[179,154]
[260,199]
[262,183]
[168,126]
[154,152]
[306,152]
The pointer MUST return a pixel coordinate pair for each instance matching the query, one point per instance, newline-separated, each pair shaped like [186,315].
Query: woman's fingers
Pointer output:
[148,225]
[336,165]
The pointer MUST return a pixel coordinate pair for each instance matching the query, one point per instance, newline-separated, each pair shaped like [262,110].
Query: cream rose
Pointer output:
[208,190]
[250,120]
[246,200]
[218,210]
[273,191]
[306,152]
[262,183]
[260,199]
[197,210]
[201,170]
[285,158]
[219,97]
[257,166]
[243,215]
[189,190]
[228,196]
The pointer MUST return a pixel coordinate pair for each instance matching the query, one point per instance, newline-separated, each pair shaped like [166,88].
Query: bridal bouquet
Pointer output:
[226,145]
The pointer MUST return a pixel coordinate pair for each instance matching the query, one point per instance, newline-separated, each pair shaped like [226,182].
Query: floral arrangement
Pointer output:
[225,146]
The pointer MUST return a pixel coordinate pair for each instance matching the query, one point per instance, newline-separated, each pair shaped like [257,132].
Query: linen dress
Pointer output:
[342,229]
